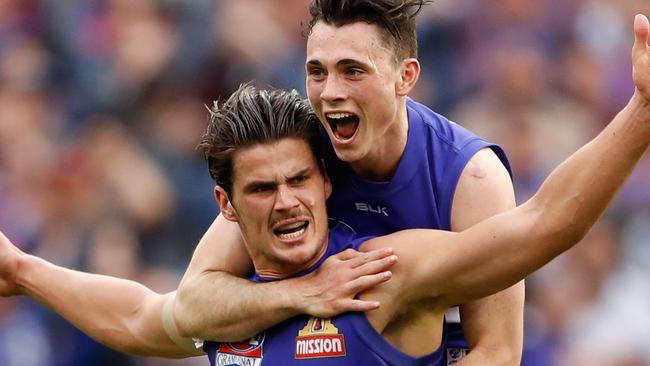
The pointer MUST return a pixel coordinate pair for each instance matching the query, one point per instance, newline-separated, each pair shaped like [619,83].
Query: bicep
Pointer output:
[484,190]
[221,249]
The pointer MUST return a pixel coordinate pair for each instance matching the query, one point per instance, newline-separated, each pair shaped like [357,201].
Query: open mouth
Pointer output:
[343,125]
[291,231]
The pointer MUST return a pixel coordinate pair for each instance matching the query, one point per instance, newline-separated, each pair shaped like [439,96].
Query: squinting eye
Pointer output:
[299,179]
[262,188]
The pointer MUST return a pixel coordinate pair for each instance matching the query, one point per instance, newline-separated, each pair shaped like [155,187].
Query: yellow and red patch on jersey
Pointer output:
[319,339]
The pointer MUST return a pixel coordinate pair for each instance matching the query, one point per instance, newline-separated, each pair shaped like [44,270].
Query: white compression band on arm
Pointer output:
[172,330]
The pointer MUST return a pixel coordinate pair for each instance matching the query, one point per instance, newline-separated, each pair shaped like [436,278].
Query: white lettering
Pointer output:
[318,345]
[360,206]
[337,345]
[327,345]
[315,346]
[224,359]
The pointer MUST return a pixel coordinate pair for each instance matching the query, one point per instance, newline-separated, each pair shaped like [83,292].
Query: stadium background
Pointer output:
[102,104]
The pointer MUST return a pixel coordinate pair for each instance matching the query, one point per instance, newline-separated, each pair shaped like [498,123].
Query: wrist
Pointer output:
[639,105]
[291,295]
[25,266]
[637,111]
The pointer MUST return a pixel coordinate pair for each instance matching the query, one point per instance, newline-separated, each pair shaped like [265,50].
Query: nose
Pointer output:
[285,199]
[332,91]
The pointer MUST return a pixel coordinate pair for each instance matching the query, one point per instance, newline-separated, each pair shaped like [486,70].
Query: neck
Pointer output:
[277,269]
[381,162]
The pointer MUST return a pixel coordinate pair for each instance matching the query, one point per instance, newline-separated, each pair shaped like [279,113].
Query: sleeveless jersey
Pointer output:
[420,193]
[344,340]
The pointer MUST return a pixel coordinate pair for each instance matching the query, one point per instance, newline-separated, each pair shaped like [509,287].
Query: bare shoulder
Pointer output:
[484,189]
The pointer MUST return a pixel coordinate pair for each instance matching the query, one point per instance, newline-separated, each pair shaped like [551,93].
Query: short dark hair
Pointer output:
[395,19]
[249,117]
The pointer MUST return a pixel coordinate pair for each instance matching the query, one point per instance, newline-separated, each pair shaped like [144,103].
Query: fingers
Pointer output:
[336,283]
[376,266]
[348,254]
[641,32]
[368,281]
[359,305]
[362,258]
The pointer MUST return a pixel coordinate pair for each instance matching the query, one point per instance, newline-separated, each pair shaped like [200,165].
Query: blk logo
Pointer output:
[371,208]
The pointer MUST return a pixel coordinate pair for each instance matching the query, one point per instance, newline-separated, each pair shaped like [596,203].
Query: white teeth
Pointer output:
[339,115]
[292,235]
[293,226]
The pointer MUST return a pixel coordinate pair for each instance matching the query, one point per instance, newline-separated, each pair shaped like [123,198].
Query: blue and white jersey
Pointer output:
[345,340]
[421,192]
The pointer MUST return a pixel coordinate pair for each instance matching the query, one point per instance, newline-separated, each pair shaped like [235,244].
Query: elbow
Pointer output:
[193,311]
[510,356]
[505,354]
[182,315]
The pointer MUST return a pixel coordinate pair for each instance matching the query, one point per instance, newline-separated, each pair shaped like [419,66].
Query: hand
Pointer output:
[641,57]
[331,289]
[9,258]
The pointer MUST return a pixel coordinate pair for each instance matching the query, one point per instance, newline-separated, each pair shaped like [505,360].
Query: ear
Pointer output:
[227,209]
[326,179]
[409,74]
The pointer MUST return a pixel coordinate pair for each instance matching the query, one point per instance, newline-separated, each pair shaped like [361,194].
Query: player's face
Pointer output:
[351,84]
[279,196]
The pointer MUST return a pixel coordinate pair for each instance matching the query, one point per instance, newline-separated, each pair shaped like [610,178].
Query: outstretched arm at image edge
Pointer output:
[500,251]
[121,314]
[215,302]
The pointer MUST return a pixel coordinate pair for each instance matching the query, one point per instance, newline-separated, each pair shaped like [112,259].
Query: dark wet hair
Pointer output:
[395,19]
[249,117]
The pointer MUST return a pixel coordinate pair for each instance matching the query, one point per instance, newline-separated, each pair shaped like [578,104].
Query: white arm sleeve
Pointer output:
[192,345]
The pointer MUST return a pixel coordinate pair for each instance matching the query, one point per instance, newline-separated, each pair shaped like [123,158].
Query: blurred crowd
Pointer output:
[102,104]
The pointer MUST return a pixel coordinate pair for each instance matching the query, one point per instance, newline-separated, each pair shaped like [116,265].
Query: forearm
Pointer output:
[578,191]
[121,314]
[218,306]
[221,307]
[557,217]
[560,214]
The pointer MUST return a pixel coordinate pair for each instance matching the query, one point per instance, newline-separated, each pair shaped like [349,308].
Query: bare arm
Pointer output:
[493,325]
[121,314]
[215,302]
[501,250]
